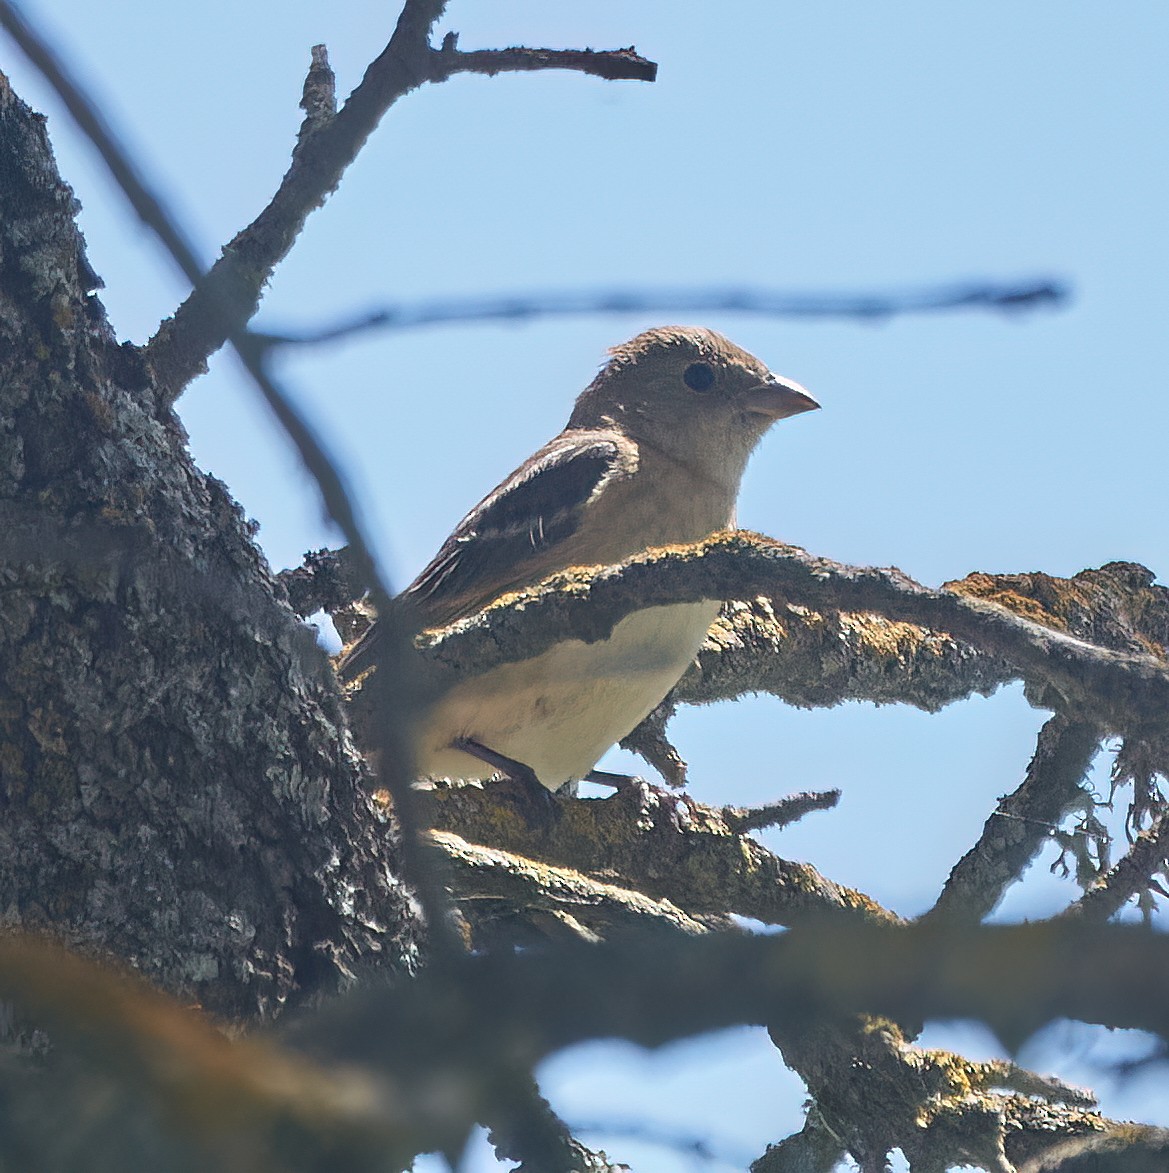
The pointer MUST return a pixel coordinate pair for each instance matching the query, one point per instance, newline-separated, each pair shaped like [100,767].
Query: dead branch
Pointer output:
[228,297]
[610,64]
[779,814]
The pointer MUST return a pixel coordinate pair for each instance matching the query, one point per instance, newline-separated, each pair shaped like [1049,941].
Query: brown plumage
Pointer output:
[652,455]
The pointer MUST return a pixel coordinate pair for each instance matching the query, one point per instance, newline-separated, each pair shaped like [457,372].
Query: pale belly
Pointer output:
[558,713]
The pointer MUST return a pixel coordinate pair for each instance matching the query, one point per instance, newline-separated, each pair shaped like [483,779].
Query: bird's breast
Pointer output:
[560,711]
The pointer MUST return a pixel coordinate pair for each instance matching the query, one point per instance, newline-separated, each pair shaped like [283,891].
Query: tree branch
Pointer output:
[1022,822]
[1014,978]
[230,294]
[610,64]
[415,1074]
[1118,690]
[515,882]
[813,658]
[327,144]
[666,847]
[784,812]
[525,1129]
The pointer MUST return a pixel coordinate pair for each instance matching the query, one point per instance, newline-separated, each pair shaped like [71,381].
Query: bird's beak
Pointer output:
[777,399]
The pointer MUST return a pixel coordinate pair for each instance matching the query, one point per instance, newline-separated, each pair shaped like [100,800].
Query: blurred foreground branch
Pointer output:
[414,1073]
[1005,297]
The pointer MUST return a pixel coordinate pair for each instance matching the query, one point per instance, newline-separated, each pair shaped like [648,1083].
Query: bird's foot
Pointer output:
[537,805]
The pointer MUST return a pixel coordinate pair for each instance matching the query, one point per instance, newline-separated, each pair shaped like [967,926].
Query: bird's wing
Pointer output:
[494,548]
[510,533]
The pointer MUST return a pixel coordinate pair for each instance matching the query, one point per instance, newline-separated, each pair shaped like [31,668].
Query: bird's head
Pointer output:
[693,395]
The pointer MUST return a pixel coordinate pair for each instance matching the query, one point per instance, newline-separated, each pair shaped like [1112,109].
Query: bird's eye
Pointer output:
[698,376]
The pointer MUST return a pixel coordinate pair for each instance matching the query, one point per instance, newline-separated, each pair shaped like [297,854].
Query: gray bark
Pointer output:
[179,788]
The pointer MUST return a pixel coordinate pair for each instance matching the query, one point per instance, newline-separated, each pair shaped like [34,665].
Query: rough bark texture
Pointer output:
[177,782]
[653,845]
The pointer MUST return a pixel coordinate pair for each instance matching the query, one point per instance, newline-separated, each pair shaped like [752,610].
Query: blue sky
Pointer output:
[832,147]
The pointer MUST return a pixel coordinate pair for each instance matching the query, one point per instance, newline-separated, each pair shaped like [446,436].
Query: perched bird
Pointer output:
[652,455]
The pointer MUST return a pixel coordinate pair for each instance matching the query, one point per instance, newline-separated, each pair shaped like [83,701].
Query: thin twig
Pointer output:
[396,773]
[774,303]
[779,814]
[1022,822]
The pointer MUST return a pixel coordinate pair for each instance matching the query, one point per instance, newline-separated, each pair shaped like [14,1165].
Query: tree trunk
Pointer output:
[179,786]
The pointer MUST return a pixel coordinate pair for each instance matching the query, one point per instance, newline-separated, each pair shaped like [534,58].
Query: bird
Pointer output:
[652,455]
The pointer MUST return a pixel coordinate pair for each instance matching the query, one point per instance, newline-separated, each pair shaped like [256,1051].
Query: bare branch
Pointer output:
[1022,822]
[327,144]
[225,301]
[610,64]
[788,810]
[770,303]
